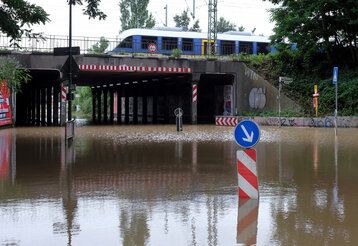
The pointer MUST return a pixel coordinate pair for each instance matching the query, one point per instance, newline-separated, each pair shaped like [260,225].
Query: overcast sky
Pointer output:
[249,13]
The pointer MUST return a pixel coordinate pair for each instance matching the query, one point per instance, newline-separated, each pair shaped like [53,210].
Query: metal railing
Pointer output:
[49,42]
[115,47]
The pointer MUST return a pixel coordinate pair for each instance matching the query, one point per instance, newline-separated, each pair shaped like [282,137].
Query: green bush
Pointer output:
[176,53]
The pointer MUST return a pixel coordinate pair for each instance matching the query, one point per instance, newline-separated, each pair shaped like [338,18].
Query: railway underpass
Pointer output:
[127,97]
[142,90]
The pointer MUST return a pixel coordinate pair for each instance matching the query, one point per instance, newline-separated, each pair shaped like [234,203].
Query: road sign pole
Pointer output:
[247,135]
[336,111]
[70,64]
[247,173]
[279,103]
[335,81]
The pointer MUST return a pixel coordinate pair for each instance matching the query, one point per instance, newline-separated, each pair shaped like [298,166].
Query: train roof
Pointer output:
[178,33]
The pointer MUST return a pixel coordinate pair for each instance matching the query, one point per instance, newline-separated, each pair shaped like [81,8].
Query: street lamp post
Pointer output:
[285,80]
[69,98]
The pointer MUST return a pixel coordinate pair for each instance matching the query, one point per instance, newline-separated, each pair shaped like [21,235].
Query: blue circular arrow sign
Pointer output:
[247,134]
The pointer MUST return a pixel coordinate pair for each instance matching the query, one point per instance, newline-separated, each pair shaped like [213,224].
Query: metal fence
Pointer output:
[48,42]
[116,46]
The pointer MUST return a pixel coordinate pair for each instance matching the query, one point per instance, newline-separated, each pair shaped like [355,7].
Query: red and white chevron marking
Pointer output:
[247,173]
[226,121]
[195,92]
[124,68]
[63,93]
[247,221]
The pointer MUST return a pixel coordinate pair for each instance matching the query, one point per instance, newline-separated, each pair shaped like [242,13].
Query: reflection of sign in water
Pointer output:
[5,147]
[257,98]
[227,99]
[5,110]
[247,221]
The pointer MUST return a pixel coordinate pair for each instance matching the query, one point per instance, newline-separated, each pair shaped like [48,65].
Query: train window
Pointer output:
[126,43]
[245,47]
[263,48]
[148,40]
[227,47]
[188,44]
[170,43]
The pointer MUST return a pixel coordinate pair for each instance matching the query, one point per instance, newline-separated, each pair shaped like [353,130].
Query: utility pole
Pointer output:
[193,14]
[212,26]
[166,15]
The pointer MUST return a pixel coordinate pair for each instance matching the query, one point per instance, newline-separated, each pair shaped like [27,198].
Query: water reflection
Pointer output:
[115,190]
[310,198]
[7,157]
[247,221]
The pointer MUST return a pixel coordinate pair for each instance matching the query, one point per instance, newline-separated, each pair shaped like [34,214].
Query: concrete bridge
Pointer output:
[140,90]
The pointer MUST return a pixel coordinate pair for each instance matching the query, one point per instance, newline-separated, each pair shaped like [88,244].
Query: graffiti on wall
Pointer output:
[306,122]
[251,74]
[5,109]
[257,98]
[227,99]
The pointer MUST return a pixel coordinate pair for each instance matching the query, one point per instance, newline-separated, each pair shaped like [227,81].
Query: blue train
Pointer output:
[164,40]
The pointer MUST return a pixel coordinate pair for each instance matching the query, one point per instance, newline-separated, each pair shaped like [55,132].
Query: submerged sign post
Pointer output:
[335,82]
[247,135]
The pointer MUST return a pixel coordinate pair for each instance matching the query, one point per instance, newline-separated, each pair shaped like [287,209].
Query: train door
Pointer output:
[204,47]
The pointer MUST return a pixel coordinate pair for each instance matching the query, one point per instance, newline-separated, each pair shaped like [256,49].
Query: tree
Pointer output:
[195,27]
[17,17]
[241,28]
[99,47]
[13,74]
[134,14]
[84,101]
[329,26]
[225,25]
[183,21]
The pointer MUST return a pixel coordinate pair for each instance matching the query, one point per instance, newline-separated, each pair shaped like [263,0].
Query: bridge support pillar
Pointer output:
[144,109]
[56,92]
[119,107]
[166,105]
[99,106]
[43,106]
[32,108]
[48,105]
[38,106]
[135,108]
[155,106]
[105,106]
[111,106]
[94,118]
[126,106]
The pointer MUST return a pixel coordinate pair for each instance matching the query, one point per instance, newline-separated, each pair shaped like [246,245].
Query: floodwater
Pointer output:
[149,185]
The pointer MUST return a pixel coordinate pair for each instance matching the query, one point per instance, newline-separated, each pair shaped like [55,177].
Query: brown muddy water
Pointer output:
[148,185]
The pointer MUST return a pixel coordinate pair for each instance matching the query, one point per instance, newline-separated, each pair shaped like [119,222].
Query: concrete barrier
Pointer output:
[347,122]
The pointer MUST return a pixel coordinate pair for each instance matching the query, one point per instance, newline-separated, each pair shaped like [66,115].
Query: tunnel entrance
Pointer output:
[37,103]
[138,98]
[215,96]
